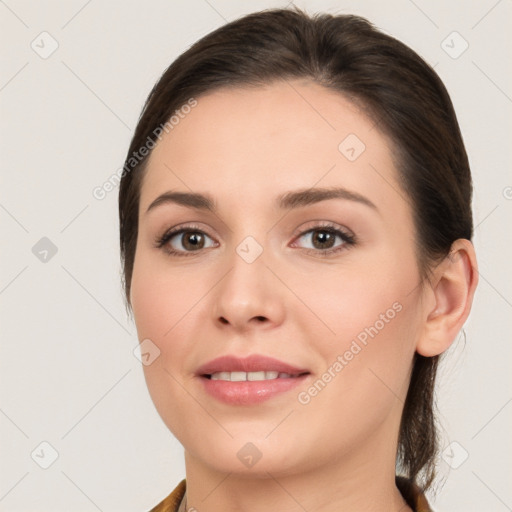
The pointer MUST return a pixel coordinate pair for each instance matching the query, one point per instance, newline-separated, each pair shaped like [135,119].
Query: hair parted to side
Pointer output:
[394,86]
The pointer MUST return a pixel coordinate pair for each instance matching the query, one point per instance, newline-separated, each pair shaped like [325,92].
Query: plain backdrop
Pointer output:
[74,77]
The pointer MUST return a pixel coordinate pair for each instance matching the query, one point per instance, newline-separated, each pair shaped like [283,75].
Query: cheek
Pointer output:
[163,306]
[365,327]
[365,376]
[162,296]
[168,308]
[356,299]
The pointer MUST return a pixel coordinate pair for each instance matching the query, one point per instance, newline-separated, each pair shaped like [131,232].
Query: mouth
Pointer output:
[249,380]
[252,376]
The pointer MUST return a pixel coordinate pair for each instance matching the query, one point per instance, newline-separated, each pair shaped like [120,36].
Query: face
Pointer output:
[302,249]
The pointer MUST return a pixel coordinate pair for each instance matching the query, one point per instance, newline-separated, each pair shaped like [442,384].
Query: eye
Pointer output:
[324,240]
[180,241]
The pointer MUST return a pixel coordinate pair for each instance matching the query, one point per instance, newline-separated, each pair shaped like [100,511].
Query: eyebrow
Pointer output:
[309,196]
[190,199]
[287,201]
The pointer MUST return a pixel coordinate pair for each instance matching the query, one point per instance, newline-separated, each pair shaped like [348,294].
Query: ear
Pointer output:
[449,299]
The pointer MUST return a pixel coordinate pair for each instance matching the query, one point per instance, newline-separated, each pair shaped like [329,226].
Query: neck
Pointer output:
[362,481]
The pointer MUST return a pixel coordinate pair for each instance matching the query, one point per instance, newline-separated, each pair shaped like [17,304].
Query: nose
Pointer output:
[248,297]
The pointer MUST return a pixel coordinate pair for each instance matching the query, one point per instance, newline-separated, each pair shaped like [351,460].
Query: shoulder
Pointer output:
[173,501]
[412,495]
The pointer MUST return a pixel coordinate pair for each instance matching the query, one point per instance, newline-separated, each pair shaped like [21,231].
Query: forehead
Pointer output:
[252,142]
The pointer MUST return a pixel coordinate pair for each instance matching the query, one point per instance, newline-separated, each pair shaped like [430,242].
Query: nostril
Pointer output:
[258,318]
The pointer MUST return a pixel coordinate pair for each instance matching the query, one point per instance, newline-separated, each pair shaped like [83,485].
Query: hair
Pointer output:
[395,87]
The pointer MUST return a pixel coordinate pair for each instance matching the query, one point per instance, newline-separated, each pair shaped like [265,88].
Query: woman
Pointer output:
[295,225]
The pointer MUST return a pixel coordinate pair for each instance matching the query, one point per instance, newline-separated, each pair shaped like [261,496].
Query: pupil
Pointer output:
[193,241]
[324,239]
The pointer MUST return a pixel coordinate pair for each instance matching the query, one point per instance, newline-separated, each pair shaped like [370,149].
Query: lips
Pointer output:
[249,381]
[253,363]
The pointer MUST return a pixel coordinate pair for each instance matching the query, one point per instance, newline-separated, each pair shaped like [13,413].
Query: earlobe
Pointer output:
[453,287]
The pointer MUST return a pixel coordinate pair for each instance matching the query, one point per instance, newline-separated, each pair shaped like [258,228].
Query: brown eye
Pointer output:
[185,241]
[193,240]
[323,239]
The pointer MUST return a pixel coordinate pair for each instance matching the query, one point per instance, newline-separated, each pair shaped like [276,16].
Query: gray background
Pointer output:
[68,373]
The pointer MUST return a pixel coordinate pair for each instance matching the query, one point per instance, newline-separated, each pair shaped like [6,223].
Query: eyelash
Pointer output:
[347,238]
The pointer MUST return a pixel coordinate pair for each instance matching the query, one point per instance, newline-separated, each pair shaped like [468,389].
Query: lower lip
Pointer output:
[249,392]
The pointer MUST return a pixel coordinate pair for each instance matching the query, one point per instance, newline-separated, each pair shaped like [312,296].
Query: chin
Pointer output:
[252,459]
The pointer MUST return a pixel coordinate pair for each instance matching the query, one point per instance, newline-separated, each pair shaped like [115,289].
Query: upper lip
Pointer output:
[253,363]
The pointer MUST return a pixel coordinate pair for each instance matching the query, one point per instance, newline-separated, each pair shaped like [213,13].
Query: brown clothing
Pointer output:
[175,502]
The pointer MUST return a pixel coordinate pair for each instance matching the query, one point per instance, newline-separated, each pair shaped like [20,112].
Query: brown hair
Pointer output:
[396,88]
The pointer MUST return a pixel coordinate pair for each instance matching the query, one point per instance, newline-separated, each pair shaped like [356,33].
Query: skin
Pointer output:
[245,147]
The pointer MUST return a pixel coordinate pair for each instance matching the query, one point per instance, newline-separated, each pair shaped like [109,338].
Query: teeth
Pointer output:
[251,376]
[258,376]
